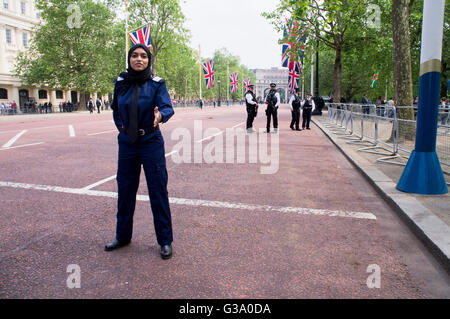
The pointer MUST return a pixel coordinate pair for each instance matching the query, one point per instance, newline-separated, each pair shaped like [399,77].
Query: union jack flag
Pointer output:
[294,76]
[294,40]
[246,84]
[208,70]
[285,57]
[141,36]
[234,82]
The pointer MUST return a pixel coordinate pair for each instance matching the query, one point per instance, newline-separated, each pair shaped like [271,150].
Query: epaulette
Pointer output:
[158,79]
[118,79]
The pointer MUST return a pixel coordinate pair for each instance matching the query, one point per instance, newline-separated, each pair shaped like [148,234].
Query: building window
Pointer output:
[59,94]
[3,94]
[22,7]
[8,36]
[5,4]
[42,94]
[25,39]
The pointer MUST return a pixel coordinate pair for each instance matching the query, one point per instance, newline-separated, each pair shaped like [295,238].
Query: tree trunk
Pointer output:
[444,81]
[83,101]
[337,74]
[403,91]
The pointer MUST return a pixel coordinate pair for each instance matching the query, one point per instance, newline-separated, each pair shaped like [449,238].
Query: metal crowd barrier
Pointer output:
[376,128]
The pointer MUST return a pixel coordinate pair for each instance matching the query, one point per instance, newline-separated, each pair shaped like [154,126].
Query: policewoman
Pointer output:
[140,103]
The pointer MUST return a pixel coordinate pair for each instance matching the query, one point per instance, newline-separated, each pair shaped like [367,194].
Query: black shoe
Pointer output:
[308,128]
[297,129]
[166,251]
[115,244]
[292,128]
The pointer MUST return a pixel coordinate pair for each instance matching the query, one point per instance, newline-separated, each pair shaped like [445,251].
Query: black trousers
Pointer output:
[295,119]
[272,112]
[150,156]
[306,117]
[251,113]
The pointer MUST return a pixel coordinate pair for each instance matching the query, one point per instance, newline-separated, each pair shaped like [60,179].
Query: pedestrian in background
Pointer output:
[273,101]
[308,107]
[295,104]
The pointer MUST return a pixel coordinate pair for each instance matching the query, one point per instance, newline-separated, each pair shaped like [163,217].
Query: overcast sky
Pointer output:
[236,25]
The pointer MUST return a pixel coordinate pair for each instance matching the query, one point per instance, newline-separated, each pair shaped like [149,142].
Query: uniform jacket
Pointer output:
[152,93]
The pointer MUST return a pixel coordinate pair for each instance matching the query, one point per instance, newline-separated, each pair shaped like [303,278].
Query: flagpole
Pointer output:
[312,71]
[200,71]
[126,34]
[228,86]
[303,85]
[385,94]
[423,172]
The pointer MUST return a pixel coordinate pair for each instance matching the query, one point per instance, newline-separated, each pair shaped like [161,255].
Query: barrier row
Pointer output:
[385,130]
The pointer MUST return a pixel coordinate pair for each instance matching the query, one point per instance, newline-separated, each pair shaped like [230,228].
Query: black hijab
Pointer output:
[132,76]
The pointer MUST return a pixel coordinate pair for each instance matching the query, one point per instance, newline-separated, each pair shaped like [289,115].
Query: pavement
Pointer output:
[428,216]
[313,228]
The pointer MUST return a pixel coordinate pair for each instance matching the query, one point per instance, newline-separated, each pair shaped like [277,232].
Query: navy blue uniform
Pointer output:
[148,151]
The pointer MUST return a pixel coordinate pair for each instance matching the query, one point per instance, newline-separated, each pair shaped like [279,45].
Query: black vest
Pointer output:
[296,103]
[253,98]
[271,98]
[307,105]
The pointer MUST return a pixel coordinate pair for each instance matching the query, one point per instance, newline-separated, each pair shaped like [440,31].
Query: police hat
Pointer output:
[297,90]
[309,94]
[251,86]
[273,84]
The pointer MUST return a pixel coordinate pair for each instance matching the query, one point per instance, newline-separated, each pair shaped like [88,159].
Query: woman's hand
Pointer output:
[158,117]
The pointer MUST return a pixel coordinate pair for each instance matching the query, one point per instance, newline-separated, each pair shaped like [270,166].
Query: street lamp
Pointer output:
[218,81]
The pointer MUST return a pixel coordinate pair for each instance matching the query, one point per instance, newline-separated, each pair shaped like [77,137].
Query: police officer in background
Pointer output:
[308,107]
[294,104]
[141,101]
[272,101]
[252,107]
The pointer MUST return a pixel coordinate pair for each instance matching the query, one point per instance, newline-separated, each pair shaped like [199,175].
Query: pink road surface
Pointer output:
[257,250]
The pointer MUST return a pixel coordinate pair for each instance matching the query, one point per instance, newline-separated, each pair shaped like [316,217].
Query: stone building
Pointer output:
[266,76]
[17,18]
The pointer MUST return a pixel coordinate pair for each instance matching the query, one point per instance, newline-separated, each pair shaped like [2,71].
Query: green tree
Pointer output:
[223,58]
[166,23]
[402,66]
[329,21]
[67,52]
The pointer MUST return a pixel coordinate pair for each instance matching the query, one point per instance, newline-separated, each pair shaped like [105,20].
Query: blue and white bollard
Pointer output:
[423,172]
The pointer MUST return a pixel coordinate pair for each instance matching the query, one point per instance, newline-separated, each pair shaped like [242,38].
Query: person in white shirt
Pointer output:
[308,107]
[252,107]
[273,101]
[294,104]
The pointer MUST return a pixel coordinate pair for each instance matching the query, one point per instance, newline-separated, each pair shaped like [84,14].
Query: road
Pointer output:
[295,221]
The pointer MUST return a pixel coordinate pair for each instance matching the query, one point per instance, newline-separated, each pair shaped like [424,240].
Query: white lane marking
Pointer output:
[14,139]
[238,124]
[198,202]
[221,132]
[71,131]
[104,132]
[8,148]
[173,152]
[100,182]
[114,176]
[207,138]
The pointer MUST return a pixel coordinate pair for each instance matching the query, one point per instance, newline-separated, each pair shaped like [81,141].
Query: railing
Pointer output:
[380,130]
